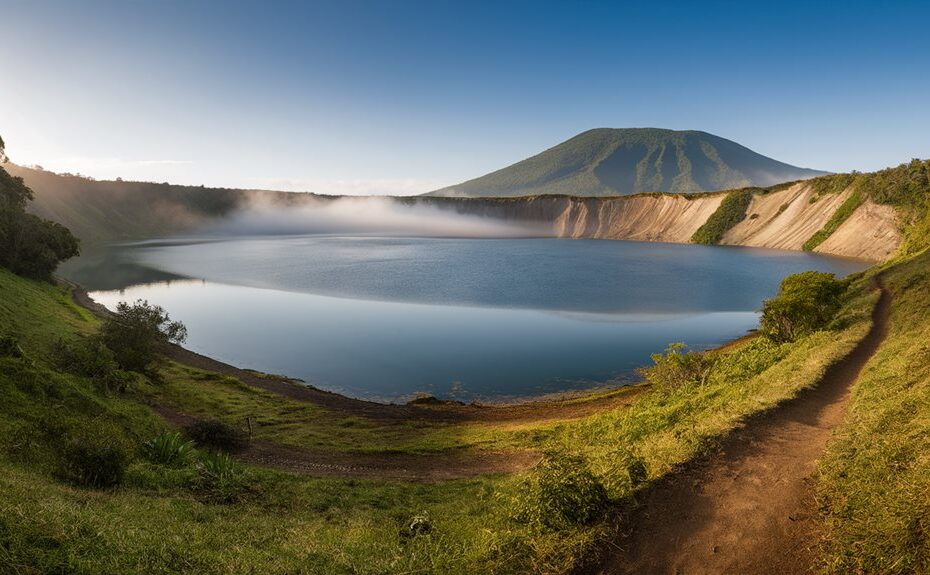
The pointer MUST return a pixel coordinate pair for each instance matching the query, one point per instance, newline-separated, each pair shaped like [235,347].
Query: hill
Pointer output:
[612,162]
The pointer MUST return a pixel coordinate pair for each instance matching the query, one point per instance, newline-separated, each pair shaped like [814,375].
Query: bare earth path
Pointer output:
[748,508]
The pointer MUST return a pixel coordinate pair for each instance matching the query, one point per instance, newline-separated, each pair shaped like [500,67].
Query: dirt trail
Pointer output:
[748,508]
[444,465]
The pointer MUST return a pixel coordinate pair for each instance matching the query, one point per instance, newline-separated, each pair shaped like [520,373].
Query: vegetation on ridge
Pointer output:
[842,213]
[732,210]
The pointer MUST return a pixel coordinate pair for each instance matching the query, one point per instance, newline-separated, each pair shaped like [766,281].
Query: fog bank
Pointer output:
[369,215]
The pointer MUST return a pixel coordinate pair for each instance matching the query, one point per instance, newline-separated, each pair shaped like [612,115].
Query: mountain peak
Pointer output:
[623,161]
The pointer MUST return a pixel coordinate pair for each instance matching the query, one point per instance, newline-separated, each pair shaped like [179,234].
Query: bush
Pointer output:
[169,449]
[676,368]
[562,493]
[221,478]
[807,302]
[135,332]
[91,358]
[94,465]
[217,435]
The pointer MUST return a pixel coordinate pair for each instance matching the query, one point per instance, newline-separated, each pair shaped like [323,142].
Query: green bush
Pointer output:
[732,210]
[135,332]
[220,477]
[561,493]
[807,302]
[91,358]
[215,434]
[90,464]
[169,449]
[676,368]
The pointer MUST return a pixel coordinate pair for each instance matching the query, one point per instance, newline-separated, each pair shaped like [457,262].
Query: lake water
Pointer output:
[387,318]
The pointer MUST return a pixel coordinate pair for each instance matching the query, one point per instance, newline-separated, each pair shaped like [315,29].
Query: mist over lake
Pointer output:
[388,317]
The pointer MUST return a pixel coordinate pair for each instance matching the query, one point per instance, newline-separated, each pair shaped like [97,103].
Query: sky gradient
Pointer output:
[406,97]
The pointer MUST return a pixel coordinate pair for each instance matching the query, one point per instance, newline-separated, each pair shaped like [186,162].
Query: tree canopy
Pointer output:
[29,245]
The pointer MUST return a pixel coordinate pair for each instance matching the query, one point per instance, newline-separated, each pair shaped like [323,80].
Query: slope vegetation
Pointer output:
[611,162]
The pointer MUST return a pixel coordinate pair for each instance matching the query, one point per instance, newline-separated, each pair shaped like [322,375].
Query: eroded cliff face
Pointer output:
[785,219]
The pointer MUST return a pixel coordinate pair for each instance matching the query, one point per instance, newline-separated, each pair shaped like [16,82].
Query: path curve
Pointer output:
[749,508]
[426,467]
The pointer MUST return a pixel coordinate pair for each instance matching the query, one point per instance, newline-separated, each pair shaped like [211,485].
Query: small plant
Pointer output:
[9,347]
[215,434]
[94,465]
[220,477]
[561,493]
[416,526]
[676,368]
[169,449]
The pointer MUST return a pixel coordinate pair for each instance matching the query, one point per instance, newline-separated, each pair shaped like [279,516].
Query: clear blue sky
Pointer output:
[403,97]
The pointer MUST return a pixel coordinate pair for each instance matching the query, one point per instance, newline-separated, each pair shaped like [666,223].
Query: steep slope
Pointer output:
[610,162]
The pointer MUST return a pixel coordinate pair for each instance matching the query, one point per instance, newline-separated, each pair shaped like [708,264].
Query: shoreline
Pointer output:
[556,406]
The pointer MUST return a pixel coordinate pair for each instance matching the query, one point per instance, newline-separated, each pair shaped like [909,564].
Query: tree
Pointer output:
[29,245]
[135,332]
[806,303]
[3,157]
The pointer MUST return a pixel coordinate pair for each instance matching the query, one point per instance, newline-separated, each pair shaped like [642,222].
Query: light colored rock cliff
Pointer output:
[785,219]
[872,232]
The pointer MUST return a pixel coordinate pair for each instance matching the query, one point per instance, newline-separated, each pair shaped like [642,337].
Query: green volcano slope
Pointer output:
[616,162]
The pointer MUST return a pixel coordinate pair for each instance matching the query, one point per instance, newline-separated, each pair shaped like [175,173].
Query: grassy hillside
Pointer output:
[876,475]
[101,212]
[611,162]
[172,519]
[214,515]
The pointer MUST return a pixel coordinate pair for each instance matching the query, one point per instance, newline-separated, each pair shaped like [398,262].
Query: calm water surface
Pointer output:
[386,318]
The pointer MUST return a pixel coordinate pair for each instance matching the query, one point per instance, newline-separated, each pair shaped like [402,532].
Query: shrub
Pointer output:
[806,303]
[169,449]
[215,434]
[676,368]
[93,464]
[220,477]
[562,493]
[135,332]
[91,358]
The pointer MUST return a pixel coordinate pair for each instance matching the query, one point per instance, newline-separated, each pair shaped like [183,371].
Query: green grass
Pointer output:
[163,519]
[875,477]
[731,211]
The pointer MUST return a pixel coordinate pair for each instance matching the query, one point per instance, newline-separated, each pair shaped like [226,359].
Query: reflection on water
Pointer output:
[466,319]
